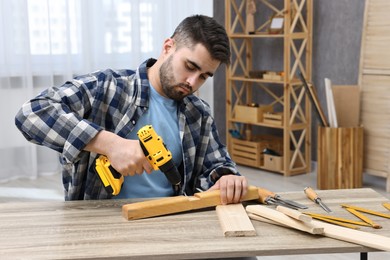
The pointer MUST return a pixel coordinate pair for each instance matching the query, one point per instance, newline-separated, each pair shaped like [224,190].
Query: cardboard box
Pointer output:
[251,114]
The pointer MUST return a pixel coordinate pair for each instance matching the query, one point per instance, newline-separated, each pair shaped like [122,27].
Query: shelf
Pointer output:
[293,127]
[257,80]
[285,95]
[300,35]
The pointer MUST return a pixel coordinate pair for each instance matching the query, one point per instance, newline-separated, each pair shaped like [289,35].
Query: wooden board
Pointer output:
[329,230]
[330,103]
[266,212]
[164,206]
[347,113]
[374,78]
[235,221]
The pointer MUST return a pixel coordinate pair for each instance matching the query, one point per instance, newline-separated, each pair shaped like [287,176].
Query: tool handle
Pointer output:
[264,195]
[311,194]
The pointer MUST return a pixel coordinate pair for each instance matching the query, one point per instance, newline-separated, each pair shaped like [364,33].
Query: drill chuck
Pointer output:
[171,172]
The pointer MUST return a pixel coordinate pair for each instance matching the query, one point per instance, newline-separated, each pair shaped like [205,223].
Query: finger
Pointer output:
[215,186]
[223,192]
[244,190]
[237,188]
[139,169]
[229,190]
[147,167]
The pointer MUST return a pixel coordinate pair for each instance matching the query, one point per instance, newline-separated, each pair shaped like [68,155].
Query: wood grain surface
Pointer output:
[235,221]
[97,230]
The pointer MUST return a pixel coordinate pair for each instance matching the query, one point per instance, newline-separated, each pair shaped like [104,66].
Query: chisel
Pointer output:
[269,197]
[311,194]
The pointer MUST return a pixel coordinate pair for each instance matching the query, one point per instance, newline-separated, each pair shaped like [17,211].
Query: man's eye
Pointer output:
[190,67]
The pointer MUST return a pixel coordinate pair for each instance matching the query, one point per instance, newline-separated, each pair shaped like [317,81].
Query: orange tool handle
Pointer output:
[311,194]
[265,194]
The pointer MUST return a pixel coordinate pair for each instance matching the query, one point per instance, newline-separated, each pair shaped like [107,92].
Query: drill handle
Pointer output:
[148,156]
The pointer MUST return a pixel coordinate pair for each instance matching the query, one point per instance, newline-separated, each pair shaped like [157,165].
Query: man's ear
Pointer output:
[169,44]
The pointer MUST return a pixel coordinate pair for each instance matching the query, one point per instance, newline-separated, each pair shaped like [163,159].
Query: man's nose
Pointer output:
[192,80]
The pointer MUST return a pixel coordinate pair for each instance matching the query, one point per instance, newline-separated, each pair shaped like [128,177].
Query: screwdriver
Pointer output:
[311,194]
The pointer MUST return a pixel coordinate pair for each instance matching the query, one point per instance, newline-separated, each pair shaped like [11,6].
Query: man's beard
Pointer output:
[166,79]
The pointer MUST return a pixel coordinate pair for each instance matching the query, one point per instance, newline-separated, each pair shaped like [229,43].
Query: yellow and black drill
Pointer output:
[155,151]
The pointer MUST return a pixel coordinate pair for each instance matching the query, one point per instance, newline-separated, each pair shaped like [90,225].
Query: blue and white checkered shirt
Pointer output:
[66,118]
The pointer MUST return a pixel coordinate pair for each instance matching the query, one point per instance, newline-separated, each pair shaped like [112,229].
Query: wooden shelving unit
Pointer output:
[245,84]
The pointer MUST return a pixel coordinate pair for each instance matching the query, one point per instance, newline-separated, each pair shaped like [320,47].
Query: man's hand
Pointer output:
[129,159]
[126,156]
[232,187]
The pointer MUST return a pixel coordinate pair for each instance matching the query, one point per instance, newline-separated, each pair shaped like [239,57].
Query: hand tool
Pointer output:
[364,218]
[338,221]
[311,194]
[269,197]
[380,214]
[155,151]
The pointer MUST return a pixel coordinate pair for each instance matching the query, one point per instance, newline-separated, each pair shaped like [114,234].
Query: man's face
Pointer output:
[185,70]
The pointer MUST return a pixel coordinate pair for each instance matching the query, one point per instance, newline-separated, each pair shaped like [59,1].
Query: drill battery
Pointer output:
[112,180]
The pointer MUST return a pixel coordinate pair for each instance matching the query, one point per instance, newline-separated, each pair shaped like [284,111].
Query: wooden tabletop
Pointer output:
[97,230]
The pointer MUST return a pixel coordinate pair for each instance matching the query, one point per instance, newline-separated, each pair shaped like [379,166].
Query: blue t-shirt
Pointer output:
[162,115]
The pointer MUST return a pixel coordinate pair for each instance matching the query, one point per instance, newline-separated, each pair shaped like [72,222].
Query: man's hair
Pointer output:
[206,31]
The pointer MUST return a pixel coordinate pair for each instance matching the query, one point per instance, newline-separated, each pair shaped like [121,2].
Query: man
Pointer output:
[100,113]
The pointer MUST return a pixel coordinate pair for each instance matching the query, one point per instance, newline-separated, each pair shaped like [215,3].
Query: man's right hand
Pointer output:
[126,156]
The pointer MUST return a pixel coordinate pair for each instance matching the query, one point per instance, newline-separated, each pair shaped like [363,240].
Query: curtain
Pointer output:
[44,43]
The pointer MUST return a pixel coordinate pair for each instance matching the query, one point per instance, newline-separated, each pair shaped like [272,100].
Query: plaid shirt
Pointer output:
[66,118]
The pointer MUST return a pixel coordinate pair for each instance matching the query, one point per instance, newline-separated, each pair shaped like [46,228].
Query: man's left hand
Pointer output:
[232,187]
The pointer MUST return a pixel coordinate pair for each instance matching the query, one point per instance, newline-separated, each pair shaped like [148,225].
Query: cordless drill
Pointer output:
[155,151]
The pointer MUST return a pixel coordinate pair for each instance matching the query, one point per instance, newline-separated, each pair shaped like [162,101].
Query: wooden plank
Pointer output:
[374,78]
[330,103]
[235,221]
[281,218]
[347,113]
[330,230]
[295,214]
[164,206]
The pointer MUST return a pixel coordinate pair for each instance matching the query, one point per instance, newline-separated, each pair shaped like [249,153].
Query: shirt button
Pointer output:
[133,122]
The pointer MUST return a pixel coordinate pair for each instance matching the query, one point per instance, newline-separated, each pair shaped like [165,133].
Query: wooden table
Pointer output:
[96,230]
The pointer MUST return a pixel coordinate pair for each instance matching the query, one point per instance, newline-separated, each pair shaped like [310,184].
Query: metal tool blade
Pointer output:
[293,203]
[323,205]
[277,202]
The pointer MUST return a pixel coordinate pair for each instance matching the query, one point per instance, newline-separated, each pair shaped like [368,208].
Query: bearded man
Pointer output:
[101,112]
